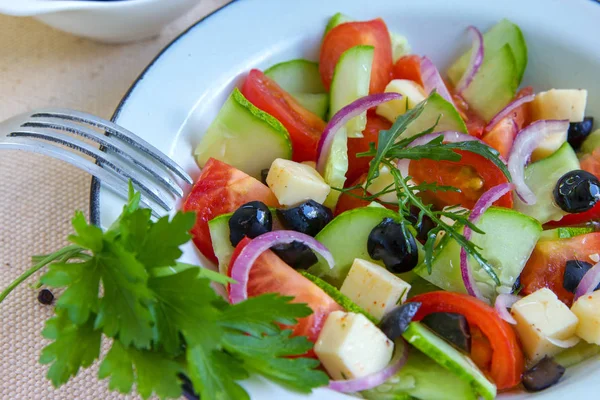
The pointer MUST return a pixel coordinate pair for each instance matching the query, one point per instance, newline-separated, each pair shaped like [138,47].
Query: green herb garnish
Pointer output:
[163,317]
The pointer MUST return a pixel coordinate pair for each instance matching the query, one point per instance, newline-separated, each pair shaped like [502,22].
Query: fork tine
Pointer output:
[104,158]
[108,142]
[118,131]
[115,181]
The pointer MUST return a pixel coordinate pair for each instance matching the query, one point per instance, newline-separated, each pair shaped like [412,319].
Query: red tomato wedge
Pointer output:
[475,124]
[507,362]
[304,127]
[221,189]
[591,163]
[360,165]
[408,67]
[270,274]
[546,266]
[344,36]
[473,175]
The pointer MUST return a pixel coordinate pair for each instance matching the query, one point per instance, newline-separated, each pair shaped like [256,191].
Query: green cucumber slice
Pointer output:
[448,357]
[576,354]
[400,46]
[591,143]
[494,85]
[436,106]
[503,33]
[351,79]
[317,103]
[297,76]
[336,20]
[565,233]
[509,239]
[336,167]
[244,137]
[541,177]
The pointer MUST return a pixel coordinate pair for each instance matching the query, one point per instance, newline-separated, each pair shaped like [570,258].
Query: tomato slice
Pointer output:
[481,349]
[475,124]
[507,362]
[408,67]
[304,127]
[546,266]
[473,175]
[270,274]
[360,165]
[344,36]
[221,189]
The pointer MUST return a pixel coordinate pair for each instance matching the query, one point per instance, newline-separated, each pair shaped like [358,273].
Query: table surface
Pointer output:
[42,67]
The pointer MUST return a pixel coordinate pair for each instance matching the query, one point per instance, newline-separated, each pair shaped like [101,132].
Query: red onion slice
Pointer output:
[565,344]
[340,119]
[477,54]
[484,202]
[525,143]
[507,110]
[240,270]
[432,80]
[503,303]
[590,281]
[376,379]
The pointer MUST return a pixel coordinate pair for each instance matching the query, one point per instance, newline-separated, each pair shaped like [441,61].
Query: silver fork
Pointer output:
[55,132]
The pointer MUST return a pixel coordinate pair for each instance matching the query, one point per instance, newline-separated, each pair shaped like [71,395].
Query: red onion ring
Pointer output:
[376,379]
[433,81]
[507,110]
[340,119]
[503,302]
[589,282]
[477,54]
[565,344]
[240,270]
[525,143]
[485,201]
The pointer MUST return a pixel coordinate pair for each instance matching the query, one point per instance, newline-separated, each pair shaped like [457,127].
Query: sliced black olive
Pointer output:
[574,272]
[579,131]
[422,228]
[251,220]
[452,327]
[388,243]
[542,375]
[309,217]
[394,323]
[517,285]
[263,175]
[45,297]
[296,255]
[577,191]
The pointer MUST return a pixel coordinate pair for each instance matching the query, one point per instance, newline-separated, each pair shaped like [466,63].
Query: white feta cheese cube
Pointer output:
[350,346]
[587,309]
[293,183]
[560,104]
[374,288]
[412,94]
[540,316]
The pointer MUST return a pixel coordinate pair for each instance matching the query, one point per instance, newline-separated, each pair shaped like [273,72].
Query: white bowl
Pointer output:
[105,21]
[179,94]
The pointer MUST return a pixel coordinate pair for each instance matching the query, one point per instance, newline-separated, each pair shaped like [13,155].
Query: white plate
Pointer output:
[176,98]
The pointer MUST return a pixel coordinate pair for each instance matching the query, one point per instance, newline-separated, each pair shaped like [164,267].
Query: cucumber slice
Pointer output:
[565,233]
[244,137]
[503,33]
[422,378]
[494,85]
[576,354]
[317,103]
[400,46]
[346,238]
[336,167]
[541,177]
[436,106]
[509,239]
[297,76]
[336,20]
[591,143]
[448,357]
[350,82]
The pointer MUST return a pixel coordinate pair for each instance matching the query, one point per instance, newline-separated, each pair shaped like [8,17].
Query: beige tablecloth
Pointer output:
[41,67]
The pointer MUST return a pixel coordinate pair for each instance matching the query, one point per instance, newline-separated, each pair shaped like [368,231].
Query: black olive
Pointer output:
[296,255]
[45,297]
[309,217]
[579,131]
[387,243]
[394,323]
[574,272]
[422,228]
[517,285]
[263,175]
[251,220]
[542,375]
[577,191]
[452,327]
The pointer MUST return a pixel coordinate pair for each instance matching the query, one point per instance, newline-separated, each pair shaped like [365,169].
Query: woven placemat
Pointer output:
[41,67]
